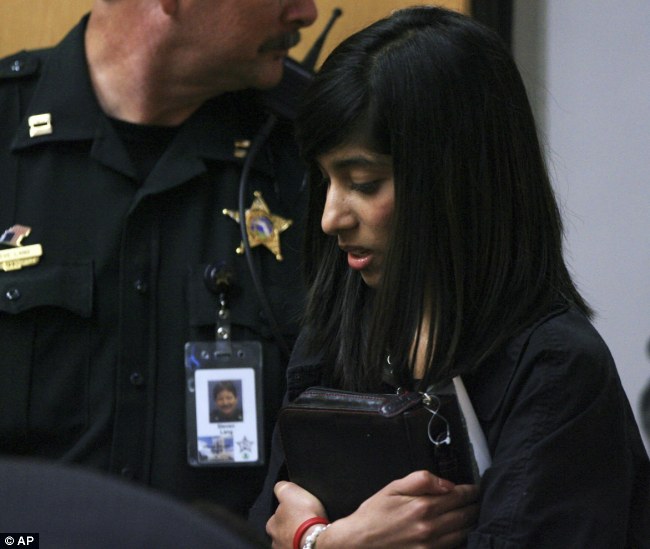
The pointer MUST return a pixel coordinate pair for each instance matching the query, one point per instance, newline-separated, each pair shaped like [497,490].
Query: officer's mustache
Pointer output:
[285,41]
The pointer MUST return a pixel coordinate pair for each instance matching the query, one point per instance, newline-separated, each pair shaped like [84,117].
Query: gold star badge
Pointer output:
[262,227]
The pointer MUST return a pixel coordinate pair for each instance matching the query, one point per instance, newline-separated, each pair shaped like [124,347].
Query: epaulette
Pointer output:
[19,65]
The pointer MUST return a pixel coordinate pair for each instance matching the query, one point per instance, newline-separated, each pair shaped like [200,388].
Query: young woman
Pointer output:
[436,241]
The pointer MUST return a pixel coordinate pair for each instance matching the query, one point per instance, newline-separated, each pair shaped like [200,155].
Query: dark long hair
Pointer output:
[477,239]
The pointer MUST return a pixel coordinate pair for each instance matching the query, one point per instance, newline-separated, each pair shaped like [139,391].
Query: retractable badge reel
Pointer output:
[223,389]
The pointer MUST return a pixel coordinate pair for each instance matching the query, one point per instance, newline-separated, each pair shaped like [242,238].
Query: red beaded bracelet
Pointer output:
[306,526]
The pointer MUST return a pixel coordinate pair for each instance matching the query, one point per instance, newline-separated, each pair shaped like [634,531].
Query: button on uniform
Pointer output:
[19,66]
[127,472]
[140,286]
[13,294]
[136,379]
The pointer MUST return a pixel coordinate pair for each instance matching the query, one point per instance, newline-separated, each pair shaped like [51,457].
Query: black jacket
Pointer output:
[568,469]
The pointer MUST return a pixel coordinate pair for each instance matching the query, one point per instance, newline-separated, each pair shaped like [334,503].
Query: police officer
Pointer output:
[121,153]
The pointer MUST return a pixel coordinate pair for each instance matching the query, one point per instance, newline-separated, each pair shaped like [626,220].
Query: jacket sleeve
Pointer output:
[303,371]
[266,502]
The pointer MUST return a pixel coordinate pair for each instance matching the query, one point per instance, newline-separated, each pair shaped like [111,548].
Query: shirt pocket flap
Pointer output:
[68,286]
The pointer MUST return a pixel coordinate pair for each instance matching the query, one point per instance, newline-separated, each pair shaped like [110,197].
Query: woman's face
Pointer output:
[226,401]
[359,206]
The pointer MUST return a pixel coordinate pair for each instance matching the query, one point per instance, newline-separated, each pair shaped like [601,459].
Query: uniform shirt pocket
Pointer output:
[45,341]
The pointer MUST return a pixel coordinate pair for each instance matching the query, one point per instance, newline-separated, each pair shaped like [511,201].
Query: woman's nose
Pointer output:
[337,214]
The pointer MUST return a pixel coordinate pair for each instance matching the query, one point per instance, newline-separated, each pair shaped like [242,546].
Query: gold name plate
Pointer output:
[16,258]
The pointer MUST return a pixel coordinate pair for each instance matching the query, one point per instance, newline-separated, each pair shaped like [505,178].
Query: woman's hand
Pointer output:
[295,506]
[418,511]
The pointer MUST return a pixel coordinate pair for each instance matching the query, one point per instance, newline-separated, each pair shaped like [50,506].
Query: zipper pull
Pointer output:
[400,403]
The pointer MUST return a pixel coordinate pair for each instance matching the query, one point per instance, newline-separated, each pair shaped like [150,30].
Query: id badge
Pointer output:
[224,397]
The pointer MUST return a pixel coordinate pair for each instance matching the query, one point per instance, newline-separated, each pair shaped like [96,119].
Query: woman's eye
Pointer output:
[369,187]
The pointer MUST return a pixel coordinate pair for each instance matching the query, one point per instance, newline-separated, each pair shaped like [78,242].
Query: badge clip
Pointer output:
[218,279]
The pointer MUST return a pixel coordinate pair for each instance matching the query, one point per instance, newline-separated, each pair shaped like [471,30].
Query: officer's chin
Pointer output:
[271,74]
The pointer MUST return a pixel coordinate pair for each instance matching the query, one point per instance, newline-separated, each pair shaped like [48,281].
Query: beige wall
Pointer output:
[36,23]
[356,15]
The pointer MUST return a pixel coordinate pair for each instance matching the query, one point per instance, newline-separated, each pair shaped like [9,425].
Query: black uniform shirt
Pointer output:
[92,337]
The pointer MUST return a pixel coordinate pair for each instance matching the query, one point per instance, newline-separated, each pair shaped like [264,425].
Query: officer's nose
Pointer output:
[300,12]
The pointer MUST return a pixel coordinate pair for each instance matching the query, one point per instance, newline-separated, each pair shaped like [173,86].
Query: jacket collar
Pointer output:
[73,107]
[210,133]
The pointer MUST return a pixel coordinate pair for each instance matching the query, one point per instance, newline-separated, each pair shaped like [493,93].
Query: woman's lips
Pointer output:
[359,259]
